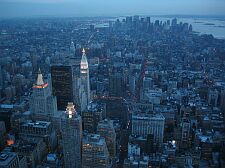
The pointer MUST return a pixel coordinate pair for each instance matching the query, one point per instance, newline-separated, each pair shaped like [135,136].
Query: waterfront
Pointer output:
[202,25]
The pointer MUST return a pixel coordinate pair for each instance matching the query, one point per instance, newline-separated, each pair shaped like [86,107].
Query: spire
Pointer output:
[70,109]
[72,47]
[84,62]
[40,80]
[83,51]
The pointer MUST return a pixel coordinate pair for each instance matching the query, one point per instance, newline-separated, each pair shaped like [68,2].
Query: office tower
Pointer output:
[147,83]
[148,19]
[174,22]
[116,85]
[90,117]
[62,85]
[144,124]
[105,129]
[39,129]
[186,126]
[6,113]
[94,152]
[213,97]
[71,128]
[42,103]
[34,60]
[85,83]
[72,49]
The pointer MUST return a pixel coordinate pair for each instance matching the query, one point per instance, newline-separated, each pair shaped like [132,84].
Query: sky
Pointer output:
[80,8]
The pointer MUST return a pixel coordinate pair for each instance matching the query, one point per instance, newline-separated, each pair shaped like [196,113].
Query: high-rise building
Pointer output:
[42,103]
[95,152]
[144,124]
[147,83]
[213,97]
[71,128]
[90,117]
[62,85]
[39,129]
[85,96]
[72,49]
[116,85]
[105,129]
[186,126]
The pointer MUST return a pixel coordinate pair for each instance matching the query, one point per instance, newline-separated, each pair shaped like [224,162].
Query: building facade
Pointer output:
[94,152]
[144,124]
[42,103]
[105,129]
[71,128]
[62,84]
[85,96]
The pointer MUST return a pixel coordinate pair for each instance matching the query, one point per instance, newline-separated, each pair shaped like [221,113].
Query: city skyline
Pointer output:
[112,84]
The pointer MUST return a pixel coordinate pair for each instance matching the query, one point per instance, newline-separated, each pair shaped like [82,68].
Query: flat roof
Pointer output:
[38,124]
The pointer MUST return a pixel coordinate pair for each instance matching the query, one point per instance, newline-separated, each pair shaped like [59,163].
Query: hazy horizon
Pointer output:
[85,8]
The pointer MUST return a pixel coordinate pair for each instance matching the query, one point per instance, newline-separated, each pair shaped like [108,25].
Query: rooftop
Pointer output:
[6,158]
[37,124]
[94,139]
[147,116]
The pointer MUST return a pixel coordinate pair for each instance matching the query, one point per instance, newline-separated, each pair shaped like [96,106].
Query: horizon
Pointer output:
[100,8]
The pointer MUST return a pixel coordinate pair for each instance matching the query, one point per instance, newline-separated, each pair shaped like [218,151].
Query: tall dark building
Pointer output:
[116,109]
[62,85]
[116,85]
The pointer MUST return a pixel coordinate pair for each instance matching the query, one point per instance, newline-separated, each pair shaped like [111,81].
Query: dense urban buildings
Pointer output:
[108,92]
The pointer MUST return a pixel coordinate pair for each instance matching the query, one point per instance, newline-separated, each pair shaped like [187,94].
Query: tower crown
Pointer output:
[70,109]
[72,47]
[84,62]
[40,82]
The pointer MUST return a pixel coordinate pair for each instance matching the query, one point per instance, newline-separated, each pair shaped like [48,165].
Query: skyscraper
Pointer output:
[42,103]
[62,84]
[116,84]
[144,124]
[85,96]
[105,129]
[72,49]
[94,152]
[71,127]
[90,117]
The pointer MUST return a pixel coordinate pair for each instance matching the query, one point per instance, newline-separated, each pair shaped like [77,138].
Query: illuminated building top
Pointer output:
[40,82]
[72,47]
[70,109]
[84,62]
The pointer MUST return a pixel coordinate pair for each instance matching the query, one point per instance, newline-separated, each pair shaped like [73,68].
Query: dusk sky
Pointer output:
[27,8]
